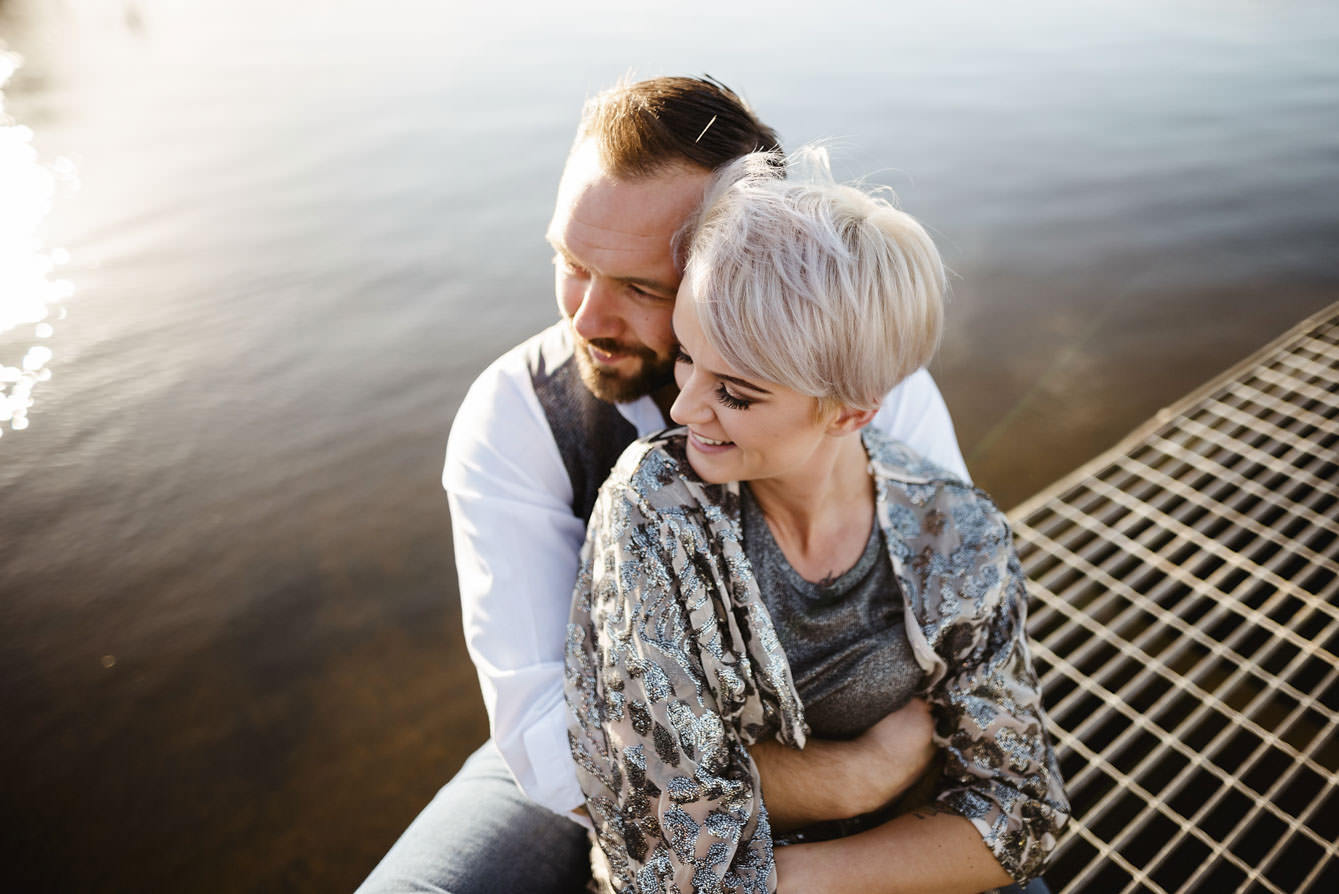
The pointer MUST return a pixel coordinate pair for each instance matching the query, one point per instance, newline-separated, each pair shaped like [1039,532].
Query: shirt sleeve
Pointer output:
[915,413]
[516,548]
[674,796]
[1001,771]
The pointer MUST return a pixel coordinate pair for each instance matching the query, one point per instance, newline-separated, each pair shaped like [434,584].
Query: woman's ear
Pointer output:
[850,420]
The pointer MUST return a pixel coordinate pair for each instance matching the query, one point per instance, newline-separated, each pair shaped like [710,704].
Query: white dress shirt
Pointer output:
[517,544]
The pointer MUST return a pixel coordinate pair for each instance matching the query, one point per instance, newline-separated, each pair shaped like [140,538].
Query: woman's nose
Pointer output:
[690,407]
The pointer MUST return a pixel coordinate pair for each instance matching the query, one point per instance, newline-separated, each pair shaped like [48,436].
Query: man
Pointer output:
[534,439]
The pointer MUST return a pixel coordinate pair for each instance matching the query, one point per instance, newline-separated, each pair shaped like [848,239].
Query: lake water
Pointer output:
[251,255]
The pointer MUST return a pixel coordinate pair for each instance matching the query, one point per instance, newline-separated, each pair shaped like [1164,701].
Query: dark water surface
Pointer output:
[262,248]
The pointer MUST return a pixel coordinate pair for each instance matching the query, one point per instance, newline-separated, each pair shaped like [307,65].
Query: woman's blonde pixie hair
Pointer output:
[823,288]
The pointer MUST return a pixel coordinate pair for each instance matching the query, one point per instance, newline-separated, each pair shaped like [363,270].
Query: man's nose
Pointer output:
[597,316]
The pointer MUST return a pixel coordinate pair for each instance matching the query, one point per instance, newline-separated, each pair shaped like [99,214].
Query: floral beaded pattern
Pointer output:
[673,668]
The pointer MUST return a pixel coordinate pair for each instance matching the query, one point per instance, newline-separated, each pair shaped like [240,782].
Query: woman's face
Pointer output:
[739,429]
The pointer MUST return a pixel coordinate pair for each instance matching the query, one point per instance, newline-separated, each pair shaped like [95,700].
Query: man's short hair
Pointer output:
[643,127]
[823,288]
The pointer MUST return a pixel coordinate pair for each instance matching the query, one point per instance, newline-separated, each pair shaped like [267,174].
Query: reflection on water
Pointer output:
[30,294]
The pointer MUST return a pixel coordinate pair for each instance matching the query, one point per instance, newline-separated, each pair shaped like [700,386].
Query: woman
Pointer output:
[775,568]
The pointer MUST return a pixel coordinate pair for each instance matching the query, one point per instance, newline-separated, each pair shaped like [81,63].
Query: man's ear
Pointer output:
[850,420]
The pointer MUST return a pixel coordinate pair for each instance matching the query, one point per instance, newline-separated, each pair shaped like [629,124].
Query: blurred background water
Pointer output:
[252,253]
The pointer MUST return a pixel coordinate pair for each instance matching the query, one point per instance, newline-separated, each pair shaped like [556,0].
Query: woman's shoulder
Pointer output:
[913,484]
[651,464]
[895,460]
[654,472]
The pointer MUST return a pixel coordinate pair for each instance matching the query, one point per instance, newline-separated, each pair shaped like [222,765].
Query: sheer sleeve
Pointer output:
[663,703]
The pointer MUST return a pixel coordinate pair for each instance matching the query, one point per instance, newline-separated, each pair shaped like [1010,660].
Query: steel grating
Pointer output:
[1185,615]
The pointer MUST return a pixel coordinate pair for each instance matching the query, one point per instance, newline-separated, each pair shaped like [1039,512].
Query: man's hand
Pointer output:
[831,780]
[903,739]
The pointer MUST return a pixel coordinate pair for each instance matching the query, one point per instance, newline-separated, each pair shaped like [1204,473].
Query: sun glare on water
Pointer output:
[30,292]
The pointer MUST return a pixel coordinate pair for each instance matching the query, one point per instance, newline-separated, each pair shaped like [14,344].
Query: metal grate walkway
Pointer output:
[1186,619]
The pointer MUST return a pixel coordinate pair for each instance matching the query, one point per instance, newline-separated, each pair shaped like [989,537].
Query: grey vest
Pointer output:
[590,434]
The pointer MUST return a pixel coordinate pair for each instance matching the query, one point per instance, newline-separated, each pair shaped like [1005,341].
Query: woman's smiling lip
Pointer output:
[708,445]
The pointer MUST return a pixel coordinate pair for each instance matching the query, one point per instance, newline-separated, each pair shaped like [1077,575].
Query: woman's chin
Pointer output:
[705,469]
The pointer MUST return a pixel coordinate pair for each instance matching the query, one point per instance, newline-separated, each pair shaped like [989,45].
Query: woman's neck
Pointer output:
[821,517]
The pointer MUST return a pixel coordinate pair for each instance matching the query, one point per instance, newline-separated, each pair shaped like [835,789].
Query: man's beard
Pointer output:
[655,372]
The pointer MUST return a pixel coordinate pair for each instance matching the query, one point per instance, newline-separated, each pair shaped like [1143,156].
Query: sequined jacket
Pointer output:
[673,668]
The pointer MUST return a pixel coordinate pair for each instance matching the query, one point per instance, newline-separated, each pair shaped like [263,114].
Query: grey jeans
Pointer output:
[480,835]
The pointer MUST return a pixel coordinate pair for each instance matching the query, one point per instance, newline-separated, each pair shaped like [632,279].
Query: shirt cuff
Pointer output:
[553,778]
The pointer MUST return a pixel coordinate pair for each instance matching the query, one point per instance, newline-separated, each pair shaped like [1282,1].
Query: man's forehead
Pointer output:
[574,228]
[635,207]
[582,168]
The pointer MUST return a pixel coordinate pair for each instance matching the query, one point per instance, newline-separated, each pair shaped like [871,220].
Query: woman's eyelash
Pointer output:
[722,393]
[735,403]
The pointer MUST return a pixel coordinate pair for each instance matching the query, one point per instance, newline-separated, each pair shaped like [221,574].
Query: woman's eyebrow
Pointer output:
[742,382]
[745,383]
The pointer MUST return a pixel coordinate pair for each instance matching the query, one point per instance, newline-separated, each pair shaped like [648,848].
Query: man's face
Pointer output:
[615,276]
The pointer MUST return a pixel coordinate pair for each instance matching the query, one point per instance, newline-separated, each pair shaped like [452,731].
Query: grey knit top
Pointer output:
[845,638]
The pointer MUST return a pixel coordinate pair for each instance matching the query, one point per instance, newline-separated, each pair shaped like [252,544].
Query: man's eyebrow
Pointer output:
[653,284]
